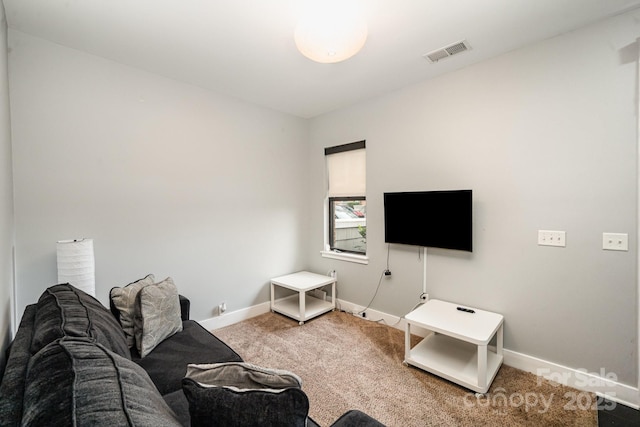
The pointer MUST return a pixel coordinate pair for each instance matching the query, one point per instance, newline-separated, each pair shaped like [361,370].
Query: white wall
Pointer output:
[167,178]
[6,197]
[172,179]
[546,138]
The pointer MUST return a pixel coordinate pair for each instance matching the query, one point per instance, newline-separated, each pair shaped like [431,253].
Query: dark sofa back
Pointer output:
[65,311]
[62,312]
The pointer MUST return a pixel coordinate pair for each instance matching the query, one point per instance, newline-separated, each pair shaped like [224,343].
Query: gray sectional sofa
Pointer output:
[70,365]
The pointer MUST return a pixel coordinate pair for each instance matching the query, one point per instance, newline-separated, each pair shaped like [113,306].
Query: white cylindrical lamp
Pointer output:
[76,264]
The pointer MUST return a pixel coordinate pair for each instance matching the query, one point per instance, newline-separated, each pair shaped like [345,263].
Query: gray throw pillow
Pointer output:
[157,315]
[239,394]
[124,299]
[242,375]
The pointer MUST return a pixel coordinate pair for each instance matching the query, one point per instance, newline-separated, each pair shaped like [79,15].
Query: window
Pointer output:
[347,204]
[348,224]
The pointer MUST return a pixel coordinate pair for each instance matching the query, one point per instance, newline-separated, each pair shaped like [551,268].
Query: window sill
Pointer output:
[345,256]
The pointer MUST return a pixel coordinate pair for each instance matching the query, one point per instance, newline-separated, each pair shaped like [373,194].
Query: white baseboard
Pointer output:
[232,317]
[602,384]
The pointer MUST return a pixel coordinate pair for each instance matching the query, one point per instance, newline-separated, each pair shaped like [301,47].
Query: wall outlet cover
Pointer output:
[552,238]
[615,241]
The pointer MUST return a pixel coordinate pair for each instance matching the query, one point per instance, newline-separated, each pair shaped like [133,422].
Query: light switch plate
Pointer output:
[615,241]
[552,238]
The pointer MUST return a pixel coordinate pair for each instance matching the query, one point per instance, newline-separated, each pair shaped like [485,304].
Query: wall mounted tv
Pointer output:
[436,219]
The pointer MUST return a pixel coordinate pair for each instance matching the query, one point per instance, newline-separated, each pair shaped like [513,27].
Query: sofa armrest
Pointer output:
[355,418]
[185,307]
[13,381]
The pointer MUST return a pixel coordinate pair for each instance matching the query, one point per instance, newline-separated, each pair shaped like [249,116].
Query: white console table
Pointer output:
[301,306]
[458,347]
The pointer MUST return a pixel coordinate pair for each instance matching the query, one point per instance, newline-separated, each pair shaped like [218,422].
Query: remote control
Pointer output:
[466,310]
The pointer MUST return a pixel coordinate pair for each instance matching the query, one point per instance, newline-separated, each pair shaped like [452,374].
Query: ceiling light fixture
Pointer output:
[331,30]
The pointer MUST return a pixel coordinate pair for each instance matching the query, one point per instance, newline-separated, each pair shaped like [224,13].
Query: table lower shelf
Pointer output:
[290,306]
[454,360]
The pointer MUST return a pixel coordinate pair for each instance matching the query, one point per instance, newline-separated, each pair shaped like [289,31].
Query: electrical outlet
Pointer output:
[552,238]
[615,241]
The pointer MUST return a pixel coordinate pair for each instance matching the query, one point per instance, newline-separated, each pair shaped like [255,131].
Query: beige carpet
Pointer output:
[350,363]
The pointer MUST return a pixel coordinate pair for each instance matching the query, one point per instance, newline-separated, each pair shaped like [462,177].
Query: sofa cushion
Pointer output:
[78,382]
[124,300]
[157,315]
[64,310]
[167,363]
[244,395]
[178,402]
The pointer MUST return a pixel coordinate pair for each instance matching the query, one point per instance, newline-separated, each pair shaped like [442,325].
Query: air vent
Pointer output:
[447,51]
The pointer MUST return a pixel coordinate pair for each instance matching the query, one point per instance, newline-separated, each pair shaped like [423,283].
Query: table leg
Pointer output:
[482,366]
[302,306]
[407,342]
[333,294]
[499,341]
[272,295]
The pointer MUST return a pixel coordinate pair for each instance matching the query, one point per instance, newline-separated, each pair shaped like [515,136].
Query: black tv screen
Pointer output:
[436,219]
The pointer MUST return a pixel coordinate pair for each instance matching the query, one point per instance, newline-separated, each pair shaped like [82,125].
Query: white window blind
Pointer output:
[346,166]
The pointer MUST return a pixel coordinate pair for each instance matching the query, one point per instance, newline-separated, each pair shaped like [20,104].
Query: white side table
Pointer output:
[301,306]
[458,348]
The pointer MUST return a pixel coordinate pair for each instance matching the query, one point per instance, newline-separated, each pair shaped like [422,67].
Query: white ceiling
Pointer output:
[245,48]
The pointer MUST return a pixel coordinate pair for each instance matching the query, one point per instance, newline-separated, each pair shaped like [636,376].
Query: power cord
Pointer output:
[374,295]
[386,272]
[384,322]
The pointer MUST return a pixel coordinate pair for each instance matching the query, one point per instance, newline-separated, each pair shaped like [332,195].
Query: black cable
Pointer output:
[374,295]
[379,282]
[399,319]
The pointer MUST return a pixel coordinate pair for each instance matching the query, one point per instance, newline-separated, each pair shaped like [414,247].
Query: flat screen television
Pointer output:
[436,219]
